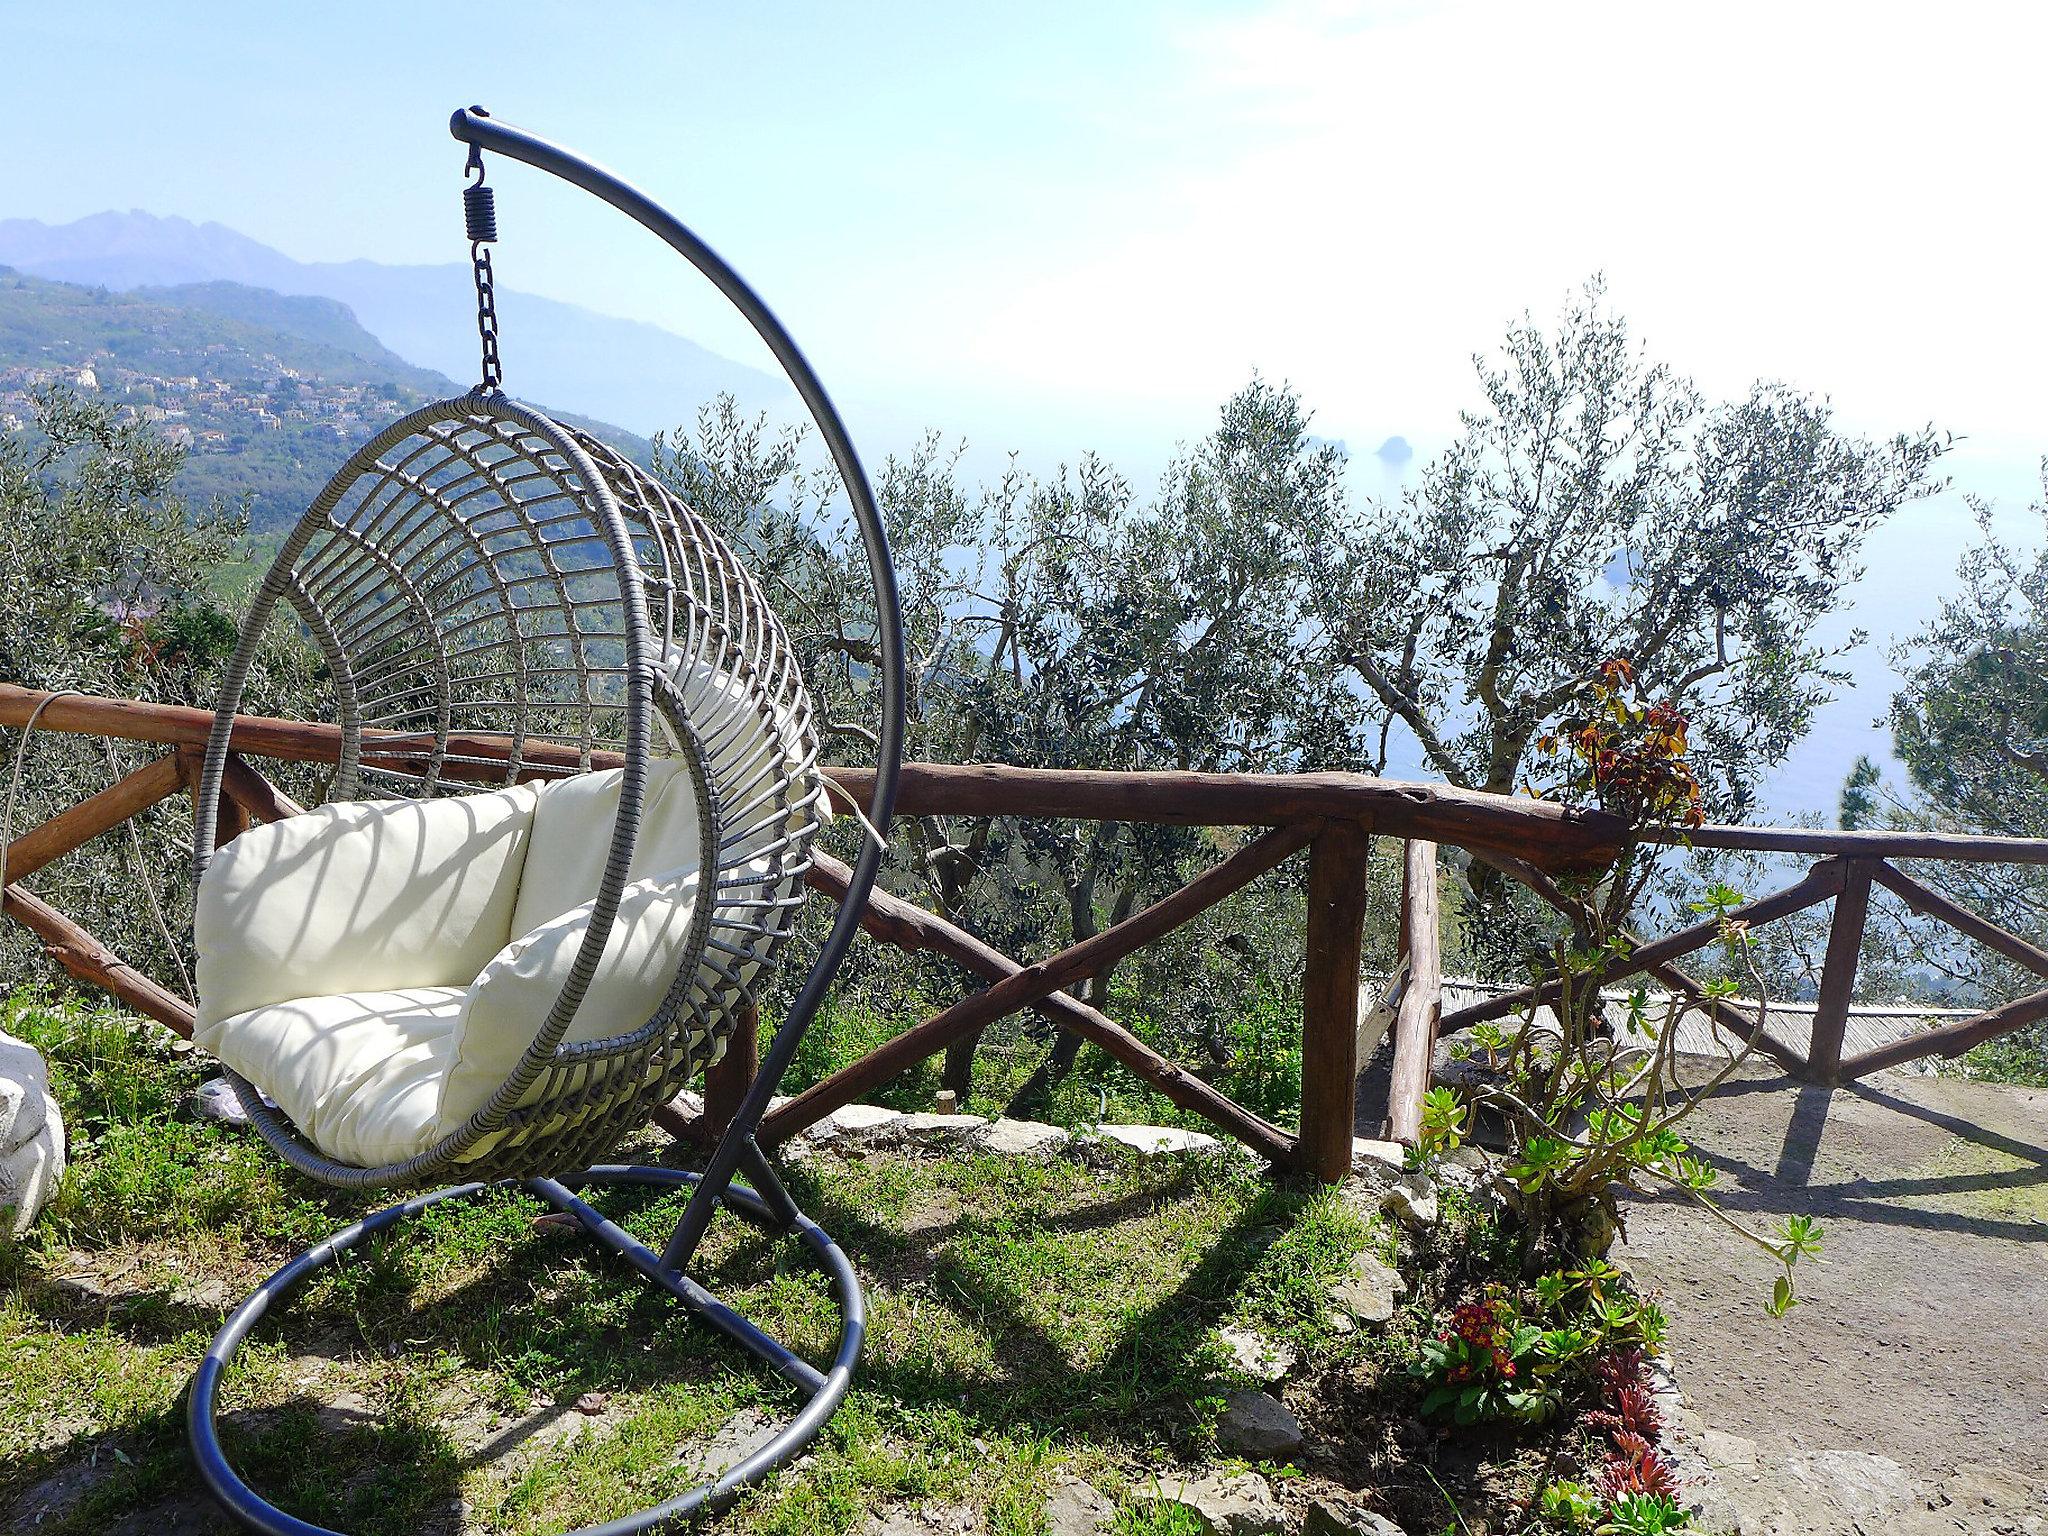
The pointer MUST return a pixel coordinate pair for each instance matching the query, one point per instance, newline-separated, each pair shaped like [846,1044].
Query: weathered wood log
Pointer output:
[1338,880]
[1838,973]
[1823,880]
[1741,1022]
[1929,902]
[899,922]
[230,818]
[91,961]
[1951,1040]
[726,1081]
[1421,1011]
[68,829]
[256,794]
[1538,830]
[1865,845]
[1542,832]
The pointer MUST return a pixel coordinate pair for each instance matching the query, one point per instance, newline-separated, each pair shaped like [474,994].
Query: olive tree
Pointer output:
[1597,506]
[1056,621]
[1970,723]
[107,585]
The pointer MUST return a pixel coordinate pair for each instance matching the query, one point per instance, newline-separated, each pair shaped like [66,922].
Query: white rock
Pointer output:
[1258,1427]
[1242,1505]
[1020,1138]
[1076,1508]
[1868,1488]
[933,1128]
[853,1120]
[1368,1290]
[1257,1356]
[1367,1154]
[31,1135]
[1412,1201]
[216,1099]
[1157,1140]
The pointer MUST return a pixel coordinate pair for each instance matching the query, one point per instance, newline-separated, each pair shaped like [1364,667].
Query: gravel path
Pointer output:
[1908,1396]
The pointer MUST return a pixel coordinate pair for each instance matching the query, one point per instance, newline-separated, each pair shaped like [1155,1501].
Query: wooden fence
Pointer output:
[1332,816]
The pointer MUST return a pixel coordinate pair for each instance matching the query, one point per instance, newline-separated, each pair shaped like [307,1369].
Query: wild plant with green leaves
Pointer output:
[1592,1104]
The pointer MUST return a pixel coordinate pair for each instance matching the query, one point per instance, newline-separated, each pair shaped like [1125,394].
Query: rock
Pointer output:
[216,1100]
[931,1129]
[1020,1138]
[1258,1357]
[1982,1494]
[1336,1515]
[1368,1290]
[740,1436]
[1157,1140]
[1368,1155]
[1242,1505]
[853,1120]
[1258,1427]
[1868,1488]
[1411,1200]
[894,1522]
[1725,1450]
[31,1135]
[1075,1508]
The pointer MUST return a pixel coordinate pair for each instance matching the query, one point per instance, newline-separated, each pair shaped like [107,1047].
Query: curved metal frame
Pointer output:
[827,1388]
[767,1201]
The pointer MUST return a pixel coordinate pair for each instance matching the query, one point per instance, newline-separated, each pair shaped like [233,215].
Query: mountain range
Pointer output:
[640,376]
[267,393]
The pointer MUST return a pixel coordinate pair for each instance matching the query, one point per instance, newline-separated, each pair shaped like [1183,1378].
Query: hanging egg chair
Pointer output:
[564,843]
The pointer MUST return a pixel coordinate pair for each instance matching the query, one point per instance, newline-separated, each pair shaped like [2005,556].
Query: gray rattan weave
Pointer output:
[497,598]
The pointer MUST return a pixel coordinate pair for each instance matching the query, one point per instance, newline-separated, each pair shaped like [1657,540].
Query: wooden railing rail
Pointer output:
[1332,816]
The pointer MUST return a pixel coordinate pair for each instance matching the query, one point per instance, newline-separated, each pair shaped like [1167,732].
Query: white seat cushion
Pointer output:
[360,1074]
[361,896]
[379,969]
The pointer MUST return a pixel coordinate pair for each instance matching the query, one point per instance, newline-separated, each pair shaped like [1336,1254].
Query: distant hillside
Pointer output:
[617,370]
[268,394]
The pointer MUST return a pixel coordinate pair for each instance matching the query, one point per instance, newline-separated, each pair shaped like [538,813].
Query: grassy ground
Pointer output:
[1027,1317]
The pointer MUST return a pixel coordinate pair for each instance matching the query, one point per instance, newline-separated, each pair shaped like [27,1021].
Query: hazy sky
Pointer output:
[1061,225]
[1086,220]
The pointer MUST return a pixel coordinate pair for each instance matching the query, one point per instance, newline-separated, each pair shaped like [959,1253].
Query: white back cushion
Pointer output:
[362,896]
[572,838]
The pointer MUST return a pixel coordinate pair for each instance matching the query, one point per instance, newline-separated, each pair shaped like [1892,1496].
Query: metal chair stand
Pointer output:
[565,1121]
[769,1206]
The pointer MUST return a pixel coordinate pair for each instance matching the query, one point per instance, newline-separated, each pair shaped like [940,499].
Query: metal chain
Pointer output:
[486,314]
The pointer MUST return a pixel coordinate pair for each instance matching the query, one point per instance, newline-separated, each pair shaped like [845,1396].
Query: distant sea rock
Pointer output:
[1394,451]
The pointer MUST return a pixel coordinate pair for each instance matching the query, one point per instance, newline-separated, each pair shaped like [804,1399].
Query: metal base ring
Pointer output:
[827,1388]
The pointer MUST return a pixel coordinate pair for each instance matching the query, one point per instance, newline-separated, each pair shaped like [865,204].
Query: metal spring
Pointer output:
[480,212]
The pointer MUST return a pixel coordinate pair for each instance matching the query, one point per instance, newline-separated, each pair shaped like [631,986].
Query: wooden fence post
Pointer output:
[1838,975]
[1338,878]
[726,1083]
[1422,1002]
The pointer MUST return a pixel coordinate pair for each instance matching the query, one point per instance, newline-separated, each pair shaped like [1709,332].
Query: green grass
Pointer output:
[1026,1317]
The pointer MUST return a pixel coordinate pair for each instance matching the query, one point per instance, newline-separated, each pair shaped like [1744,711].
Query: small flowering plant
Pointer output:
[1626,754]
[1485,1365]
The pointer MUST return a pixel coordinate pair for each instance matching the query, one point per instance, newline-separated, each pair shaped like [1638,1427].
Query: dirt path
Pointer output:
[1909,1395]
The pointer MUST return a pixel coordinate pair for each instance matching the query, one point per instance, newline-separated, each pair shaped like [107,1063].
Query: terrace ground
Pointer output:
[1909,1393]
[1033,1321]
